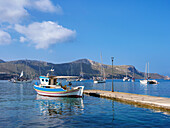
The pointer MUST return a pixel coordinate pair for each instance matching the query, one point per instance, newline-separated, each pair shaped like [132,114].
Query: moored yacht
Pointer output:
[126,78]
[99,80]
[102,78]
[147,80]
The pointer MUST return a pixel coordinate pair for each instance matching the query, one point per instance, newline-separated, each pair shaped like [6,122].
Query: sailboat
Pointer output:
[126,78]
[21,78]
[133,78]
[146,78]
[102,78]
[81,74]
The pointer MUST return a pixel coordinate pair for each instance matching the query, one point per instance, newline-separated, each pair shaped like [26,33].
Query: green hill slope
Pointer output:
[34,68]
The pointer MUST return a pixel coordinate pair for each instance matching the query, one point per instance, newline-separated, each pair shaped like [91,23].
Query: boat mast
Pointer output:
[126,73]
[133,72]
[102,69]
[26,69]
[145,71]
[81,70]
[148,70]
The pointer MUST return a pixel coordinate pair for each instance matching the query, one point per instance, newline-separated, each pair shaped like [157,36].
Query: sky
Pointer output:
[134,32]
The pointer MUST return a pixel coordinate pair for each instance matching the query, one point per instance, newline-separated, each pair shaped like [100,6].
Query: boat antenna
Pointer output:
[51,70]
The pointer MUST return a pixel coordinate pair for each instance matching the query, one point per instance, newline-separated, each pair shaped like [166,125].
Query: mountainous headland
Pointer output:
[89,68]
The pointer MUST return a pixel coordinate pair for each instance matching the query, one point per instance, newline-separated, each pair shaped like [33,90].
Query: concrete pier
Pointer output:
[145,101]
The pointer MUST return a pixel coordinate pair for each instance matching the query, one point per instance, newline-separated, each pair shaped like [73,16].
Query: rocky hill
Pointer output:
[34,68]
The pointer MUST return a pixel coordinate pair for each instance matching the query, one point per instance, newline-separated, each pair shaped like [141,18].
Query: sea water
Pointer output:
[20,106]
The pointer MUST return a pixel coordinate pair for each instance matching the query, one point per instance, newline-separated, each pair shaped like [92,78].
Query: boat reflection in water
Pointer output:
[60,106]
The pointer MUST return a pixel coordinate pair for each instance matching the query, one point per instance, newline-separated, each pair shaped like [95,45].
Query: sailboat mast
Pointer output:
[102,72]
[126,72]
[133,72]
[81,72]
[26,68]
[148,70]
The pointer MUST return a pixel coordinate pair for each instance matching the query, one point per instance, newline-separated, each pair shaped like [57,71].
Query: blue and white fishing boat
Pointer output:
[50,86]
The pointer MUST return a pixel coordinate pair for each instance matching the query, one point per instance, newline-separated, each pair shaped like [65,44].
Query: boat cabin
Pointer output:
[52,80]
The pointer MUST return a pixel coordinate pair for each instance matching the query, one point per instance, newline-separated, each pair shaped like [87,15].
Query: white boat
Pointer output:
[146,78]
[133,78]
[80,79]
[126,78]
[21,79]
[81,74]
[144,81]
[99,80]
[148,81]
[167,78]
[49,86]
[102,78]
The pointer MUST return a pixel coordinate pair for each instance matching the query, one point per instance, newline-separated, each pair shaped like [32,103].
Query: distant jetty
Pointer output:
[153,102]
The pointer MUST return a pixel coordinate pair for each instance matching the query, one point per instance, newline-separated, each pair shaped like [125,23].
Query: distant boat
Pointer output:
[146,77]
[50,86]
[81,74]
[102,78]
[99,80]
[126,78]
[80,79]
[133,78]
[21,78]
[167,78]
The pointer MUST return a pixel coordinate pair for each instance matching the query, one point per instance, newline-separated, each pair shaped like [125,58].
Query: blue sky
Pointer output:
[133,31]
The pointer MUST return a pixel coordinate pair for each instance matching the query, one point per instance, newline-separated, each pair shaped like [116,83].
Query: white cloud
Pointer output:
[45,34]
[22,39]
[46,6]
[13,11]
[5,38]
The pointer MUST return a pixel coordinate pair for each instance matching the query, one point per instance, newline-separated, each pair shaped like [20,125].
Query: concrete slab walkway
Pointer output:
[154,102]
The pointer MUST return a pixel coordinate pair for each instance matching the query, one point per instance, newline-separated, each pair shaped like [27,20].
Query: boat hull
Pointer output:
[76,92]
[126,79]
[100,81]
[148,82]
[25,81]
[152,82]
[143,81]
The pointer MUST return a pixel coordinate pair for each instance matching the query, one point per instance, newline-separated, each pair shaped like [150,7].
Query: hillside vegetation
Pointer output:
[34,68]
